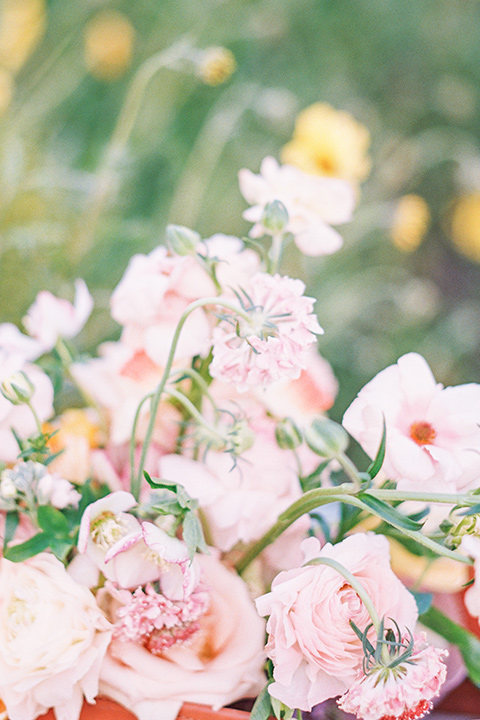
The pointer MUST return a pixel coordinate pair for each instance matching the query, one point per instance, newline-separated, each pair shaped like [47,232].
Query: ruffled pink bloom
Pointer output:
[235,263]
[313,204]
[20,417]
[433,433]
[400,693]
[315,652]
[53,639]
[221,663]
[273,342]
[150,299]
[51,318]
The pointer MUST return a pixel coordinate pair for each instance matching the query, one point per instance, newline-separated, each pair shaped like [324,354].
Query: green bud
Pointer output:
[326,437]
[241,437]
[457,526]
[275,217]
[181,240]
[18,388]
[288,435]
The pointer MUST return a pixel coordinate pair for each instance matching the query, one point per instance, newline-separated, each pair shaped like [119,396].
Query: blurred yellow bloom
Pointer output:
[215,65]
[441,575]
[465,227]
[77,433]
[410,223]
[22,23]
[109,39]
[6,89]
[329,142]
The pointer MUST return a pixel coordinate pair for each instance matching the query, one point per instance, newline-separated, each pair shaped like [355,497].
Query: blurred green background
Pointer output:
[75,204]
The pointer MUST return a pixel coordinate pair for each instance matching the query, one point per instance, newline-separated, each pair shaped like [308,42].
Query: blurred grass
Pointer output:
[408,71]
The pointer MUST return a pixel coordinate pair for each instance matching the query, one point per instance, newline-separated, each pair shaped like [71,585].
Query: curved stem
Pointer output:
[202,384]
[356,585]
[349,469]
[134,433]
[136,480]
[406,495]
[193,410]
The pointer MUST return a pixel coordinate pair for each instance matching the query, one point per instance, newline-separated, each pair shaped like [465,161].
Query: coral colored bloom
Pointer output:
[273,342]
[313,204]
[53,639]
[51,318]
[315,652]
[433,433]
[403,692]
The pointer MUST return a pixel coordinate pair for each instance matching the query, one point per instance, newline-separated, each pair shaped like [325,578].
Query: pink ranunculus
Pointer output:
[272,343]
[53,639]
[433,433]
[313,204]
[150,299]
[51,318]
[19,417]
[220,664]
[315,652]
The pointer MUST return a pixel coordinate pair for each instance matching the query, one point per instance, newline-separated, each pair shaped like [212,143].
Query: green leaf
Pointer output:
[11,523]
[61,547]
[52,521]
[34,545]
[467,642]
[376,465]
[312,481]
[262,708]
[388,513]
[193,534]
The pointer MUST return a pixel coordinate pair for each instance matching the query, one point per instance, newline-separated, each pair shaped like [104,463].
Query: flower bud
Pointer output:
[181,240]
[457,526]
[18,388]
[215,65]
[287,435]
[275,217]
[8,490]
[326,437]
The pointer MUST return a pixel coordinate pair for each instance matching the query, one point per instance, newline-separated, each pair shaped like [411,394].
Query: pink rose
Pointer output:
[315,652]
[51,318]
[53,638]
[433,433]
[220,664]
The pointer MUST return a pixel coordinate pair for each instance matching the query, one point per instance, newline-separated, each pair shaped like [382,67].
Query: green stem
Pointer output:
[202,384]
[349,469]
[194,411]
[356,585]
[136,480]
[134,433]
[275,253]
[37,419]
[407,495]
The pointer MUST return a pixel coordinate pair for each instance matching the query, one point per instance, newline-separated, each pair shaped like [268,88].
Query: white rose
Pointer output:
[53,638]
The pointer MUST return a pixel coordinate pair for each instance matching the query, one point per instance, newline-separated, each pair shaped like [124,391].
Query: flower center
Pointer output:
[422,433]
[106,529]
[423,707]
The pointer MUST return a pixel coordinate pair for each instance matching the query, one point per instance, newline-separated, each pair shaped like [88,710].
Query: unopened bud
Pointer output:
[216,65]
[8,490]
[181,240]
[241,437]
[457,526]
[18,388]
[275,217]
[288,435]
[326,437]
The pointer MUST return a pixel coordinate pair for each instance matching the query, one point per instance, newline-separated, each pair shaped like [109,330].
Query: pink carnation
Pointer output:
[433,433]
[313,204]
[400,693]
[315,652]
[273,342]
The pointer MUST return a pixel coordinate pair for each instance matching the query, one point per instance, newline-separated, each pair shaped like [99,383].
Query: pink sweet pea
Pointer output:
[315,652]
[433,433]
[313,204]
[51,318]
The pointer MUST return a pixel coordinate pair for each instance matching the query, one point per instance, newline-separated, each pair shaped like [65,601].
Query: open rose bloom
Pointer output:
[197,500]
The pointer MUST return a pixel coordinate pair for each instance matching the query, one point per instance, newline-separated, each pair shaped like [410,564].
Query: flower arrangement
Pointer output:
[197,470]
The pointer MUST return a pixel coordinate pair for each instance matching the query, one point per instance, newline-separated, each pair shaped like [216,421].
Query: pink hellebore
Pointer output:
[51,318]
[315,652]
[273,342]
[313,204]
[432,432]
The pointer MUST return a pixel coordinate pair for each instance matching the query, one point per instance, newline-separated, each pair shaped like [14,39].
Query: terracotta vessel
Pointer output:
[106,709]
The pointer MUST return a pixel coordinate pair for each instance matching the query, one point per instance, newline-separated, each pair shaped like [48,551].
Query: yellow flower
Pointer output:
[215,65]
[109,39]
[440,575]
[22,23]
[465,227]
[329,142]
[410,223]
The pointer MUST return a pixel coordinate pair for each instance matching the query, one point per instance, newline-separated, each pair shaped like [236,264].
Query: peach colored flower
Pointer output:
[315,652]
[222,662]
[433,433]
[150,299]
[272,343]
[51,318]
[53,638]
[313,204]
[401,693]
